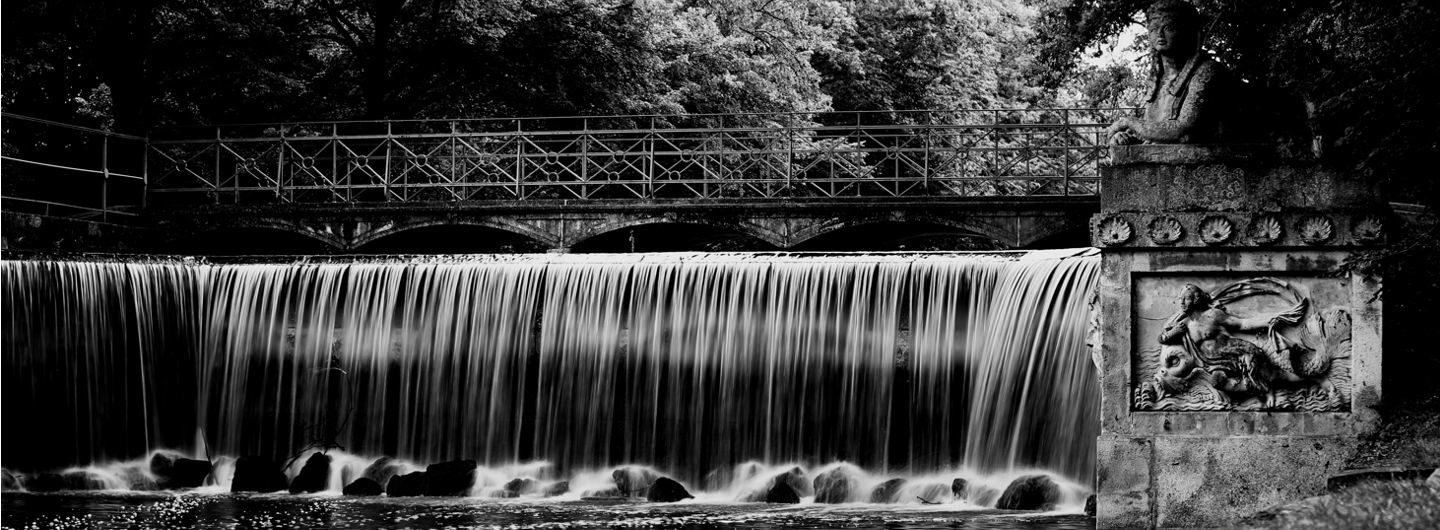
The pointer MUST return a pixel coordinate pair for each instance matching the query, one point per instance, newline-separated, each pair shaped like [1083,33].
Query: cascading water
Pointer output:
[690,363]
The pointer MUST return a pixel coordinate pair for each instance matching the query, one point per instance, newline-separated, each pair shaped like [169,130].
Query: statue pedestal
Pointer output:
[1257,390]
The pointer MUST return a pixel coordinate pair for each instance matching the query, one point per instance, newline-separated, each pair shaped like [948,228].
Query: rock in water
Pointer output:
[1090,505]
[450,479]
[633,481]
[13,481]
[45,482]
[961,488]
[795,477]
[888,492]
[364,487]
[665,489]
[173,470]
[835,486]
[314,476]
[408,485]
[1030,492]
[382,469]
[558,488]
[782,493]
[253,473]
[518,487]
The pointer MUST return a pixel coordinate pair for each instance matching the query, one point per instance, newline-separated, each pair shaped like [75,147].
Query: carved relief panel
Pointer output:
[1223,343]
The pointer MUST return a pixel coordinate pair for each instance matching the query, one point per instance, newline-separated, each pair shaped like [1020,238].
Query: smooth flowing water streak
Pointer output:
[685,362]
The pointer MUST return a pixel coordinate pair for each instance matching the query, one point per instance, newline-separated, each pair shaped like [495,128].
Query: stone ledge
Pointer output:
[1191,154]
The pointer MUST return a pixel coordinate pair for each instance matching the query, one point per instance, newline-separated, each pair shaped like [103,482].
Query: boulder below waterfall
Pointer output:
[363,487]
[450,479]
[888,492]
[382,469]
[960,488]
[666,489]
[835,486]
[173,470]
[407,485]
[781,492]
[314,477]
[633,481]
[1030,492]
[258,474]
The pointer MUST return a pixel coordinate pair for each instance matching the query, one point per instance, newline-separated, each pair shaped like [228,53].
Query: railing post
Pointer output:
[386,177]
[280,168]
[650,167]
[236,188]
[1066,169]
[790,154]
[145,173]
[105,178]
[455,173]
[335,164]
[519,158]
[929,129]
[585,157]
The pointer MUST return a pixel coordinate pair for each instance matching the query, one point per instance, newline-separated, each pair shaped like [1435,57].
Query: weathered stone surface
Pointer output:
[408,485]
[1122,476]
[835,486]
[666,489]
[173,470]
[363,487]
[1351,477]
[1434,479]
[1139,181]
[258,474]
[888,492]
[633,481]
[450,479]
[1030,492]
[1215,482]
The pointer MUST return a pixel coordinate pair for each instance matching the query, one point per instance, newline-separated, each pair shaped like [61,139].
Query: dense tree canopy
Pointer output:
[138,64]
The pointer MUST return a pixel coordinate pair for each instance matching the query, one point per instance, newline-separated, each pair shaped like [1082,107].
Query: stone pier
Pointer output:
[1239,364]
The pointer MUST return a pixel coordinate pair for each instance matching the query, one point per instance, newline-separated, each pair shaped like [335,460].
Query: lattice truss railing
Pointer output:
[1046,152]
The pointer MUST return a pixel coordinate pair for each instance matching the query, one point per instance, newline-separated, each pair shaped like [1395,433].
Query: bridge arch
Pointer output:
[895,234]
[604,235]
[367,234]
[255,236]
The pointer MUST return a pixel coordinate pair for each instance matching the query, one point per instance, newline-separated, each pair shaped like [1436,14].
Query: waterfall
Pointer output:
[684,362]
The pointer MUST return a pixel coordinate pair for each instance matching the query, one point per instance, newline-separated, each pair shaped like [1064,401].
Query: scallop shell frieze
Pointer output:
[1216,230]
[1114,231]
[1266,229]
[1166,230]
[1316,229]
[1368,229]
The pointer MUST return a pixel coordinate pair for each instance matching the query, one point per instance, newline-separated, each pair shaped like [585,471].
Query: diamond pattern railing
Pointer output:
[1033,152]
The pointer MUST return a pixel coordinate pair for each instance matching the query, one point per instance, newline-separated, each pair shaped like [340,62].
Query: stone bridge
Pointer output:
[560,225]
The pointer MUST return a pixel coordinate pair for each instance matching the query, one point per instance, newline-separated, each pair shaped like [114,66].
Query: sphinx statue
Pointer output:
[1190,99]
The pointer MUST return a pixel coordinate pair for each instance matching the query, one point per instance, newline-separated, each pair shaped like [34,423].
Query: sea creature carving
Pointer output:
[1213,359]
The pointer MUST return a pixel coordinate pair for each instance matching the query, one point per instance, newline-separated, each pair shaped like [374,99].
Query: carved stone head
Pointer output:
[1194,299]
[1174,27]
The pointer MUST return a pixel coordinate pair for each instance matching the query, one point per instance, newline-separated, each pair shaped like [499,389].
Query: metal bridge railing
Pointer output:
[61,170]
[787,156]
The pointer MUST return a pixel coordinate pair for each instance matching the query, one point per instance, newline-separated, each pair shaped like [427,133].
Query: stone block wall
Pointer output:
[1238,363]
